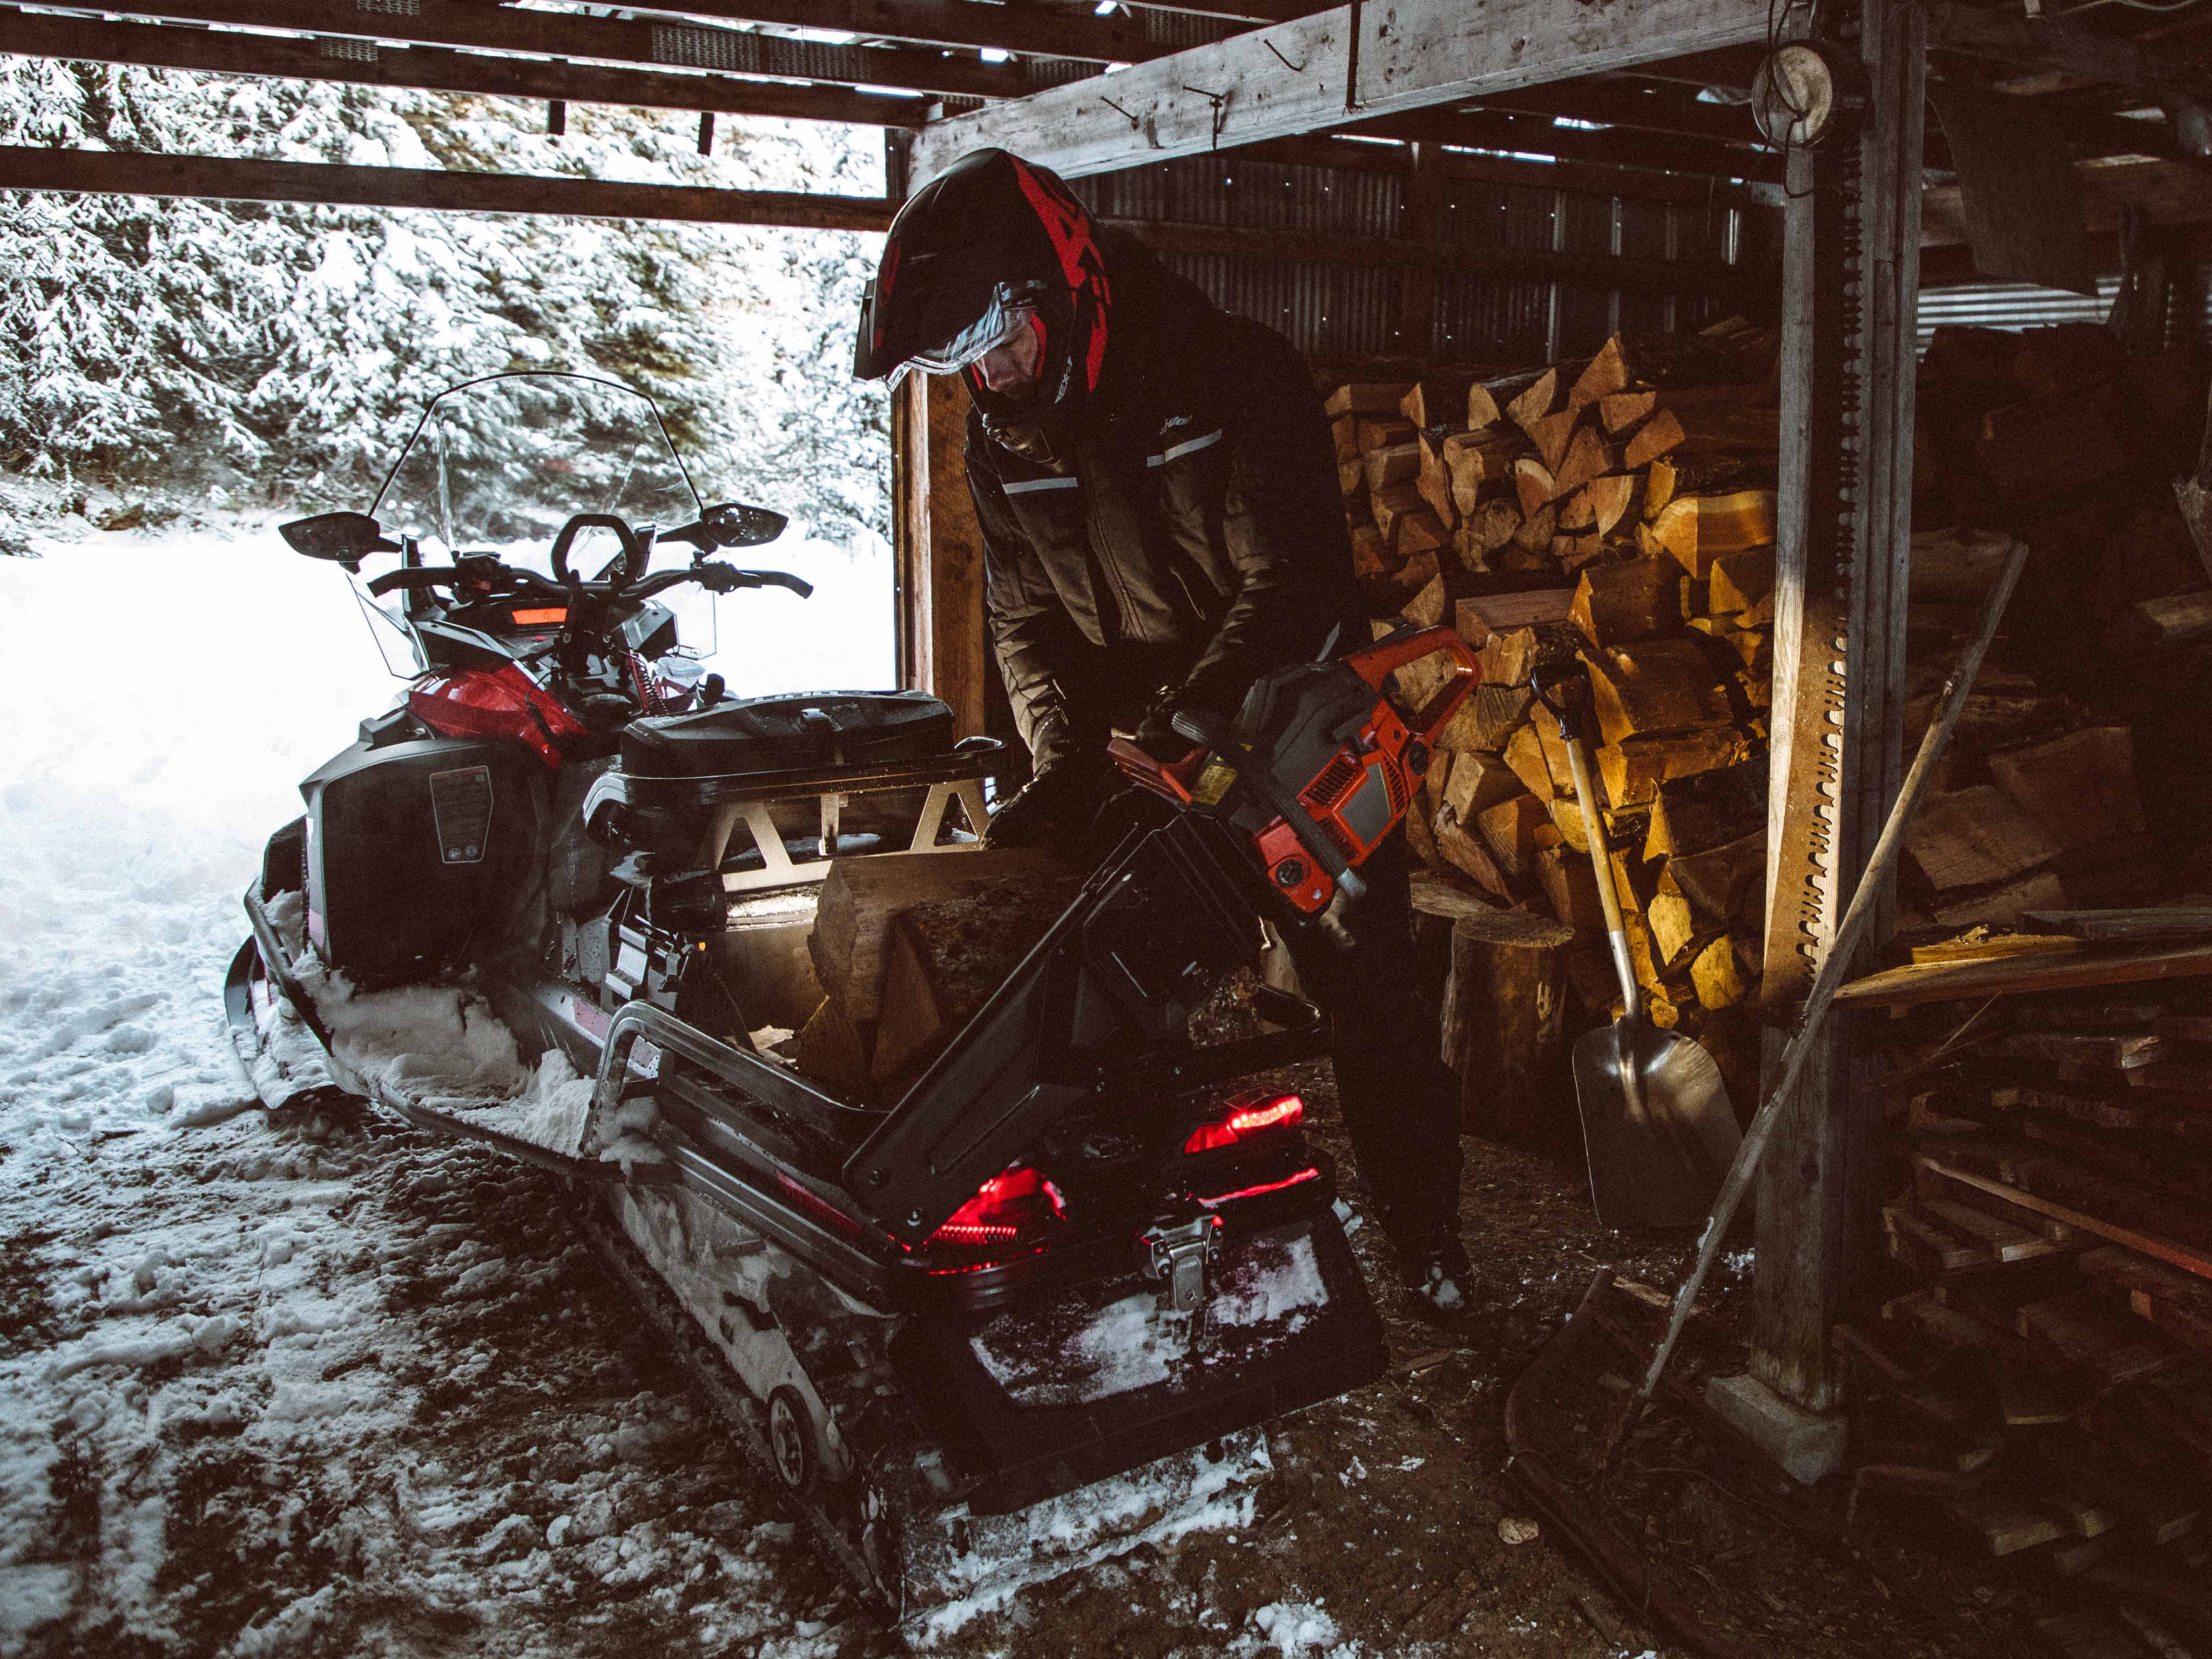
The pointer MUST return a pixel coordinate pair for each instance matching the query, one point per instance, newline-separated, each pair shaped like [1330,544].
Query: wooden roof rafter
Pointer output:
[659,43]
[437,68]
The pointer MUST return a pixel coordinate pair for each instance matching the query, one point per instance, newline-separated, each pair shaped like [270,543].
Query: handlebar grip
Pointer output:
[417,576]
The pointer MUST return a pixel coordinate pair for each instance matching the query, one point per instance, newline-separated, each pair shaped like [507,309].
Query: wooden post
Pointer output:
[1850,267]
[939,551]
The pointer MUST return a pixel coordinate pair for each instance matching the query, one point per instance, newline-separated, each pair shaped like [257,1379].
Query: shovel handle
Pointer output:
[1616,929]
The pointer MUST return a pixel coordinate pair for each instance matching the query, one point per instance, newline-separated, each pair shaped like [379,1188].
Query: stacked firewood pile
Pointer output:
[2044,1384]
[2078,775]
[1615,518]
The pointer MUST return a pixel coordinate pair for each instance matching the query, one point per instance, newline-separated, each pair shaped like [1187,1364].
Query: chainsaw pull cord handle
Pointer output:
[1616,928]
[1200,727]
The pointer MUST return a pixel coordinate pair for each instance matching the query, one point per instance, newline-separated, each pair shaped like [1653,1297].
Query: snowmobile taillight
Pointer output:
[550,616]
[1010,1214]
[1247,1116]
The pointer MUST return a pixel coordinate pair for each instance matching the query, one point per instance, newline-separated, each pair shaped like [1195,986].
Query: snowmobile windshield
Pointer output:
[498,465]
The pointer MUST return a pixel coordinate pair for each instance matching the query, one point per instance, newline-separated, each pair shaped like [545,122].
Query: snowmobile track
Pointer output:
[709,1376]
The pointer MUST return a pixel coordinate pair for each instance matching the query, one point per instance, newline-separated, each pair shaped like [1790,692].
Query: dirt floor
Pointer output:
[411,1415]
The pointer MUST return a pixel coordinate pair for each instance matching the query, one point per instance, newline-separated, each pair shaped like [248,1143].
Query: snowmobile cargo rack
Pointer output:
[624,807]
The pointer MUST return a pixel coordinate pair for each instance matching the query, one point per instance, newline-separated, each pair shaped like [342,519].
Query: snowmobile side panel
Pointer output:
[415,851]
[1022,1433]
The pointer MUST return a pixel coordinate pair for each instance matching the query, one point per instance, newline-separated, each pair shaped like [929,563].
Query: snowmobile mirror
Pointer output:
[731,524]
[341,537]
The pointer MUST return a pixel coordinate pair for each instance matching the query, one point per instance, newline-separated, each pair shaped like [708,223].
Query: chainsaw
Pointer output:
[1321,762]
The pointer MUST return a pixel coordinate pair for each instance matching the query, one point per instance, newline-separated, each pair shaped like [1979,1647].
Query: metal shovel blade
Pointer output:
[1657,1125]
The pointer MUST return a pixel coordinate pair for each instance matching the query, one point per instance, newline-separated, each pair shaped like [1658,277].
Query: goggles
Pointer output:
[1011,309]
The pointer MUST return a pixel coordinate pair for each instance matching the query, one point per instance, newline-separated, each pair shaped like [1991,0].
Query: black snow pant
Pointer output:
[1401,1101]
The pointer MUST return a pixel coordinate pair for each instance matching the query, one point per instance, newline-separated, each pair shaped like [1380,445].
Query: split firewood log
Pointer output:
[1699,529]
[1344,430]
[1737,582]
[1382,431]
[1659,685]
[1551,435]
[1534,403]
[1367,398]
[1652,440]
[1974,837]
[1468,853]
[1606,374]
[1479,464]
[1613,498]
[1480,780]
[1504,1025]
[1621,412]
[1421,535]
[1397,463]
[1533,485]
[1482,410]
[1534,533]
[1433,403]
[1587,456]
[1620,603]
[1708,810]
[1570,886]
[1511,829]
[1632,771]
[1393,502]
[1484,530]
[1433,480]
[1510,629]
[2080,787]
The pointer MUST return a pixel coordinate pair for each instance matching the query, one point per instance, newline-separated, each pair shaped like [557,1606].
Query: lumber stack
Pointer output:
[2044,1380]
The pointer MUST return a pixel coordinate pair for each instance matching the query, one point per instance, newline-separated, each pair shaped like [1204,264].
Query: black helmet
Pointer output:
[988,247]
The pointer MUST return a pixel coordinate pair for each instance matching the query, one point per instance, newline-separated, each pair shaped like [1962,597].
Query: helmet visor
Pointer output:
[1010,312]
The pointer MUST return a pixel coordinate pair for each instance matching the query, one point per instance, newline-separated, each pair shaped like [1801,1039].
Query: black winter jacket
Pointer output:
[1183,534]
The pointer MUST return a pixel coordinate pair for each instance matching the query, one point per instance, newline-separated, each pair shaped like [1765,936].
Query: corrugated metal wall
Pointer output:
[2022,305]
[1331,308]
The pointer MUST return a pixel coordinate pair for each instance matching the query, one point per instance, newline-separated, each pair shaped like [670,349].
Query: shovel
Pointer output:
[1657,1125]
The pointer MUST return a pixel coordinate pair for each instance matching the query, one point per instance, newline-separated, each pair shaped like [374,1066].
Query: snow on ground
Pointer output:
[334,1389]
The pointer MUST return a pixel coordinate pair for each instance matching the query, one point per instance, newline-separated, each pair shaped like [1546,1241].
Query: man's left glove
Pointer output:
[1157,736]
[1054,807]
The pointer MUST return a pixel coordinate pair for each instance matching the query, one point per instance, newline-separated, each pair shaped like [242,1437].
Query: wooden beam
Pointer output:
[1028,30]
[221,179]
[1541,134]
[2047,43]
[1305,75]
[1729,67]
[944,640]
[435,68]
[1841,556]
[1504,263]
[658,44]
[2171,192]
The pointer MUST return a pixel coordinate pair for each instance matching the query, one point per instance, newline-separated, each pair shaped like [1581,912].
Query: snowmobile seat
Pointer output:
[797,731]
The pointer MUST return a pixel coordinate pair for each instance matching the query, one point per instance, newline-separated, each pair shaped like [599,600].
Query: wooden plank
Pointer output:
[2178,1255]
[1306,75]
[2179,925]
[2003,1240]
[438,69]
[230,179]
[660,43]
[2041,971]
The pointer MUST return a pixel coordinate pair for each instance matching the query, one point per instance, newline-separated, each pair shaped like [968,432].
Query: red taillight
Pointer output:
[1010,1213]
[1246,1117]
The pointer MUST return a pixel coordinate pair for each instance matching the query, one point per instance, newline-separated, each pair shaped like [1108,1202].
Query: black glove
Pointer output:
[1157,736]
[1052,808]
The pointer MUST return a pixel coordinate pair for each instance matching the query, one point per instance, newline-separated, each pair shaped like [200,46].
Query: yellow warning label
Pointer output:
[1213,783]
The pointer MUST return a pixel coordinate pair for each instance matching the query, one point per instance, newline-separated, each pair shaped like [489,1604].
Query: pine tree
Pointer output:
[280,354]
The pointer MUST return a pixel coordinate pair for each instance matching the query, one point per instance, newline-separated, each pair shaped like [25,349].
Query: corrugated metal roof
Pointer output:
[1225,191]
[2010,305]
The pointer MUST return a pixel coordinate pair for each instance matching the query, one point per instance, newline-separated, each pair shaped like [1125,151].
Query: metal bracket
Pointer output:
[1179,1259]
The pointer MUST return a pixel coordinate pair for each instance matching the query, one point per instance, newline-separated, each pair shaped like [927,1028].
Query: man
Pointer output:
[1157,489]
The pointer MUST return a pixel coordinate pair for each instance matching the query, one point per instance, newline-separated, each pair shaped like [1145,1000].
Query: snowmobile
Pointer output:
[1085,1243]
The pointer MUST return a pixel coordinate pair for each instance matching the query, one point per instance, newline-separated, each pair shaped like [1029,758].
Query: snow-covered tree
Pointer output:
[281,353]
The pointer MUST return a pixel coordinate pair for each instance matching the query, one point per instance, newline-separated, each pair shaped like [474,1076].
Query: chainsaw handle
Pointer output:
[1394,651]
[1202,727]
